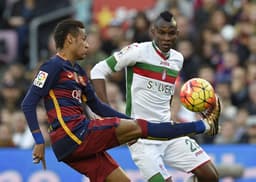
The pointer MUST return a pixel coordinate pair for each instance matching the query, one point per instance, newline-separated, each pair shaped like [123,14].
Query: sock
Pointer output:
[157,178]
[162,131]
[207,126]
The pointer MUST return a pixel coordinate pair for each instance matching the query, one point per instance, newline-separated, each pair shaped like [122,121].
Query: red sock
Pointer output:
[144,127]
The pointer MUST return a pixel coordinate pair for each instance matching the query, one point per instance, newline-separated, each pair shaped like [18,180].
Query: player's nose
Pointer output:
[86,45]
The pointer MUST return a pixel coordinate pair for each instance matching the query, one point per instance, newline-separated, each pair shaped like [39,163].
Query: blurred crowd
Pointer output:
[216,37]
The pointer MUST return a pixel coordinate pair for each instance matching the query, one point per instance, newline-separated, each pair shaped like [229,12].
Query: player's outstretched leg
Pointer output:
[129,130]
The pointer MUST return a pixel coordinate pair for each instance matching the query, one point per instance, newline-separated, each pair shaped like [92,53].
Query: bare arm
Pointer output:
[100,89]
[98,76]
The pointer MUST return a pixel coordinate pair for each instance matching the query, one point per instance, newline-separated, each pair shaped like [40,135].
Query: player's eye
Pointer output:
[172,32]
[160,32]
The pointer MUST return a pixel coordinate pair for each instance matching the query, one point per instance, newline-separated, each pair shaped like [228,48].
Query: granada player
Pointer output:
[79,142]
[151,71]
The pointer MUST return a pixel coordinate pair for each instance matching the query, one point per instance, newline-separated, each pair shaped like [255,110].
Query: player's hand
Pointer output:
[39,155]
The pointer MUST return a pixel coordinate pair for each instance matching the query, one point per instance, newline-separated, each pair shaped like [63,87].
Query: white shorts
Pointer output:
[182,153]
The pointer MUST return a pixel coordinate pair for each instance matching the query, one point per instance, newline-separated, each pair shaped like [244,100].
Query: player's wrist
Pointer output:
[38,137]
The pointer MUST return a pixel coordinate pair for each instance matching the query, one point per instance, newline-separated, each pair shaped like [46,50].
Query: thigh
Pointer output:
[118,175]
[185,154]
[148,158]
[96,167]
[129,130]
[101,135]
[206,171]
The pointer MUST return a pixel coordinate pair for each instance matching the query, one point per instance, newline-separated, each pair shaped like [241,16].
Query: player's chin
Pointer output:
[166,47]
[166,50]
[82,56]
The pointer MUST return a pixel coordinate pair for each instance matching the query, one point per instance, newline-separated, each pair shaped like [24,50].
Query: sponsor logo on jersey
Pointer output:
[165,63]
[69,74]
[77,94]
[40,79]
[79,79]
[160,87]
[199,153]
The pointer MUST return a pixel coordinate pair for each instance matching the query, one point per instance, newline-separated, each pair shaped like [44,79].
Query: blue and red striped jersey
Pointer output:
[64,87]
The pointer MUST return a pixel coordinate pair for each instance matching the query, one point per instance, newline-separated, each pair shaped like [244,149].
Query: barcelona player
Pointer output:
[77,141]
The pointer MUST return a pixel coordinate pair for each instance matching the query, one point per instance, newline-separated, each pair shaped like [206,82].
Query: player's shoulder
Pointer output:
[131,49]
[137,46]
[54,60]
[145,44]
[53,63]
[177,54]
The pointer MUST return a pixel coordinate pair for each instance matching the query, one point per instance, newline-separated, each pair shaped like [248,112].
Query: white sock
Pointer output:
[207,126]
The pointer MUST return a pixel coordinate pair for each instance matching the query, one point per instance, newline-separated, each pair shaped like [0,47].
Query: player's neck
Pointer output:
[164,55]
[65,56]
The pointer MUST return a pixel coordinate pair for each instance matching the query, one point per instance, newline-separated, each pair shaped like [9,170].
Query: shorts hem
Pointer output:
[198,166]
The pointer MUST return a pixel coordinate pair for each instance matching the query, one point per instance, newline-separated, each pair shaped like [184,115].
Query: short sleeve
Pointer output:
[128,56]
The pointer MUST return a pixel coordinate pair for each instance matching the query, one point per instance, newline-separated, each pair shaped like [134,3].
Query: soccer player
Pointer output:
[151,71]
[77,141]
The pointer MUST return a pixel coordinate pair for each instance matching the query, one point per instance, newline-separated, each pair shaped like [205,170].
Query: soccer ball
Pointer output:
[197,95]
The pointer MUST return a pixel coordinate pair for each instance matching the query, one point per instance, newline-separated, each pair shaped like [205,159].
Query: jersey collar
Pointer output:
[62,57]
[163,55]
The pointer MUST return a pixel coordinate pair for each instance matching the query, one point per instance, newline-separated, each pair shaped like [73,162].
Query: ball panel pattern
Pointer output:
[197,95]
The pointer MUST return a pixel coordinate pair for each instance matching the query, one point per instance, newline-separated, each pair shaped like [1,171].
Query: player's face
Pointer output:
[81,45]
[165,35]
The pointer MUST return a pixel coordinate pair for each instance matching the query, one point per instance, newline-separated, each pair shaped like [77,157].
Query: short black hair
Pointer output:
[165,15]
[65,27]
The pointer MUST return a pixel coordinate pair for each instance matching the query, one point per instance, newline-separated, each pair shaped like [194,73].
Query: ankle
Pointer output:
[207,126]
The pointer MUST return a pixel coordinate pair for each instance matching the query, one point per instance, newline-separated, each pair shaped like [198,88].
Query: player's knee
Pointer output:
[128,130]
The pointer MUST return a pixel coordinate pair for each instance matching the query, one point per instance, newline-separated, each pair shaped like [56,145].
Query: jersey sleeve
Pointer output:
[45,78]
[128,56]
[40,87]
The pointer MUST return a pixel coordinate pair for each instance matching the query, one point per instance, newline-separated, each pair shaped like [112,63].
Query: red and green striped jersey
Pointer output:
[150,79]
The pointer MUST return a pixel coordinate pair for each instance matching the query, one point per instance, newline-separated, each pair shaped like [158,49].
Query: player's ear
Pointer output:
[177,32]
[151,31]
[69,39]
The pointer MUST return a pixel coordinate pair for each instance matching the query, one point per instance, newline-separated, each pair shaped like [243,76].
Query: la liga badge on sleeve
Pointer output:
[40,79]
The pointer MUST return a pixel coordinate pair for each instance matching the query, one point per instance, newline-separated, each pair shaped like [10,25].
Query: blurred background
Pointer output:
[217,39]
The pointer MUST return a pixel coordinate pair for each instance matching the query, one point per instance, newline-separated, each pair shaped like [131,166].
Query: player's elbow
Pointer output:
[24,105]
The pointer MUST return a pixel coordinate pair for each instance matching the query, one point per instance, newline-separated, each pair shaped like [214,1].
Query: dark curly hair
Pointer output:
[65,27]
